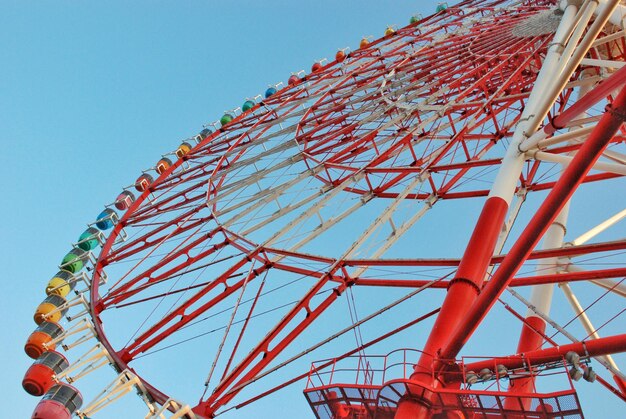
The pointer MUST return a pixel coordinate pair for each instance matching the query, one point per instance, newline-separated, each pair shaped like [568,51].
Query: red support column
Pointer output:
[462,292]
[464,288]
[531,338]
[562,191]
[463,309]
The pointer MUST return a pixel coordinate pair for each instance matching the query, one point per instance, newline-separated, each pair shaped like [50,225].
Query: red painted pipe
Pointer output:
[592,347]
[600,92]
[562,191]
[462,292]
[521,281]
[531,338]
[464,288]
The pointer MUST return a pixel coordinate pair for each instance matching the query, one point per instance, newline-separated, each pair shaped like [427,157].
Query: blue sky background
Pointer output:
[91,93]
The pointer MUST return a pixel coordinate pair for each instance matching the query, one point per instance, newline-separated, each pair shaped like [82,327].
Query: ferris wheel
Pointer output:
[425,226]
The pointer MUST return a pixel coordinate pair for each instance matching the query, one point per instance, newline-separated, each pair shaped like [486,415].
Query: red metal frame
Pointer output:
[471,123]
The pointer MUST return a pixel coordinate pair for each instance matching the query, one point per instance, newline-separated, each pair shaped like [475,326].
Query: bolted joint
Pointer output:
[616,113]
[464,281]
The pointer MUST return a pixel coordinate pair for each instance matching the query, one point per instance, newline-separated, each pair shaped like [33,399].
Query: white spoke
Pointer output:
[619,169]
[585,237]
[608,284]
[584,319]
[562,330]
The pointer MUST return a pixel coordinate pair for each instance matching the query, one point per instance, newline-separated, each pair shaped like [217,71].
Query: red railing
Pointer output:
[370,386]
[369,370]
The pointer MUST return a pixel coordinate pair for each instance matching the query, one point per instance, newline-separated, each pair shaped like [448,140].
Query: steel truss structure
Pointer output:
[410,179]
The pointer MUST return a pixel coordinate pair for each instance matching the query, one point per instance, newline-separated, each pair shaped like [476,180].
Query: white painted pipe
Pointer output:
[588,235]
[608,284]
[580,133]
[602,63]
[513,161]
[584,320]
[617,168]
[618,17]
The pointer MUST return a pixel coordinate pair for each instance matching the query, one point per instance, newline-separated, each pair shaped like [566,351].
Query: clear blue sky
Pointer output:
[91,93]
